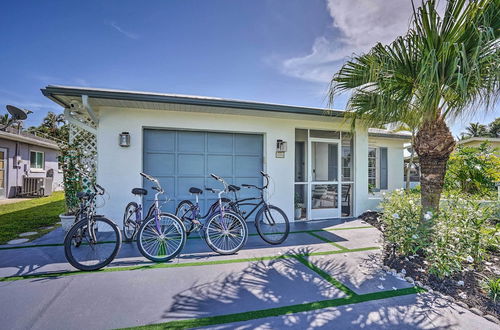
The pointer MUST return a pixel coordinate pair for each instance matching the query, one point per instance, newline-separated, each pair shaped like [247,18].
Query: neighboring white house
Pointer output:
[314,159]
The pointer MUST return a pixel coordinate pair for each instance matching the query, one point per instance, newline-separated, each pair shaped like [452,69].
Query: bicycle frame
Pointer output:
[214,208]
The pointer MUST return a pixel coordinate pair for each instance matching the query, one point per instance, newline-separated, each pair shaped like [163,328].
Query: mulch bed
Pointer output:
[470,293]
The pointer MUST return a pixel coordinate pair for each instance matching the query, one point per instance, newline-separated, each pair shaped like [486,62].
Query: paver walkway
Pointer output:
[326,275]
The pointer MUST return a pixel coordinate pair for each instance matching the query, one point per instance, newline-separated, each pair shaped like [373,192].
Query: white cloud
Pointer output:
[128,34]
[357,26]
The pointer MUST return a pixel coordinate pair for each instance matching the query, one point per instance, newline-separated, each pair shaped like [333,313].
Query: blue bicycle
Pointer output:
[224,231]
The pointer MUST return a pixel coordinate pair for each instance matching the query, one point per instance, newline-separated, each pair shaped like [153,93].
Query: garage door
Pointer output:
[184,159]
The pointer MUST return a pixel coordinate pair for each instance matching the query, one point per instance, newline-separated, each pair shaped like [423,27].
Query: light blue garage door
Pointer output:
[184,159]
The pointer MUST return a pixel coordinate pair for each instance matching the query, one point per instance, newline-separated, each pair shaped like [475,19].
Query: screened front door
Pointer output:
[324,178]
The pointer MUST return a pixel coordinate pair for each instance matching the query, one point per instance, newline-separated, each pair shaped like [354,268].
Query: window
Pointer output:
[347,148]
[37,160]
[377,168]
[372,167]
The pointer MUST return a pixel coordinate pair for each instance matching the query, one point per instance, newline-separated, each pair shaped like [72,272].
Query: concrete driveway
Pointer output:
[326,275]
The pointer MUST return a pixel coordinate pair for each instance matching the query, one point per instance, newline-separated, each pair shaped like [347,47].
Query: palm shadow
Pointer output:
[283,282]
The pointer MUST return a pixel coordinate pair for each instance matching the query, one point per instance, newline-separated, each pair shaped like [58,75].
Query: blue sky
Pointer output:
[262,50]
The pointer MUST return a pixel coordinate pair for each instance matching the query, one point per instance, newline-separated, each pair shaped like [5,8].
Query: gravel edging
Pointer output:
[389,267]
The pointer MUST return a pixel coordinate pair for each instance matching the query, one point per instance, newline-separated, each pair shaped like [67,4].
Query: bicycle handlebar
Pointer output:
[266,184]
[154,180]
[99,189]
[216,177]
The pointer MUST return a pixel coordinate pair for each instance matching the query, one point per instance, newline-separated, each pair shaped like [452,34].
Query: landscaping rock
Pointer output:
[476,311]
[418,283]
[492,318]
[18,241]
[462,304]
[29,233]
[460,283]
[386,268]
[409,279]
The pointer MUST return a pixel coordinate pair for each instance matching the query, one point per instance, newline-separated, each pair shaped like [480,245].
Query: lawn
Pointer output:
[30,215]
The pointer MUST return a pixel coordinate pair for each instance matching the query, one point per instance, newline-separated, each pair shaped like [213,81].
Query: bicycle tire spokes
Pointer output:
[226,233]
[162,237]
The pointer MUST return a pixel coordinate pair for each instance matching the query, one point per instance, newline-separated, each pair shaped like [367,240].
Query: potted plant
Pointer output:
[298,206]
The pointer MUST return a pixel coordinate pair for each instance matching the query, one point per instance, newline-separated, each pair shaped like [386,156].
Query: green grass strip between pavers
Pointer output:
[279,311]
[330,279]
[190,237]
[174,265]
[328,241]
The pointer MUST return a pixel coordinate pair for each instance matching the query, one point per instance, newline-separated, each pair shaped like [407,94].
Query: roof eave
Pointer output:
[52,91]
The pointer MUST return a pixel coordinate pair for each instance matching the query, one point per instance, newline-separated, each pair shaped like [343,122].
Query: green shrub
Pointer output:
[492,287]
[452,240]
[459,240]
[401,221]
[473,170]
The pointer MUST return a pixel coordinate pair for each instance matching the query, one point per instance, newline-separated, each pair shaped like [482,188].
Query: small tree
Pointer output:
[473,170]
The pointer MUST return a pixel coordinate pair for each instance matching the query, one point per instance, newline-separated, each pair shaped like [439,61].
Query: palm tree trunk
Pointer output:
[433,144]
[410,163]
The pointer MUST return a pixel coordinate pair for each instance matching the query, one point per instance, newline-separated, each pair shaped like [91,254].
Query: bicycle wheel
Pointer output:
[129,223]
[84,252]
[161,241]
[226,234]
[184,212]
[272,224]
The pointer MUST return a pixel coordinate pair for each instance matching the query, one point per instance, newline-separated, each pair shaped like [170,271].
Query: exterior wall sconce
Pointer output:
[280,148]
[124,140]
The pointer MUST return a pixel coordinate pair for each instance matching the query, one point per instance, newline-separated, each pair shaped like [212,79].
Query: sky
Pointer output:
[279,51]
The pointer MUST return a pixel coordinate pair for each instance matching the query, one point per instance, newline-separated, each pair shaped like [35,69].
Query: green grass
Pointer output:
[17,218]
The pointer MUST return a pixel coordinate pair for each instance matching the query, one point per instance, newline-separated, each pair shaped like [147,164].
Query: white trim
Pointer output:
[90,110]
[316,214]
[72,120]
[36,169]
[5,170]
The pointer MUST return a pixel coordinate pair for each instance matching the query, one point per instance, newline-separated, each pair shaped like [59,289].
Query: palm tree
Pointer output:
[52,121]
[445,66]
[494,128]
[5,120]
[476,130]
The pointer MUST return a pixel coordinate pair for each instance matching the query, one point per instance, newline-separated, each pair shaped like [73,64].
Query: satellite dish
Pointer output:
[17,114]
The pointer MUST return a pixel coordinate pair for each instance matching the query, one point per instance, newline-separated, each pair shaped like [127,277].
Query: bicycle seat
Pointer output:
[82,195]
[234,188]
[225,200]
[195,191]
[139,191]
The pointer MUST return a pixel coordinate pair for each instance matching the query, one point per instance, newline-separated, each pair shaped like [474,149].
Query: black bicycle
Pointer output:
[271,222]
[93,241]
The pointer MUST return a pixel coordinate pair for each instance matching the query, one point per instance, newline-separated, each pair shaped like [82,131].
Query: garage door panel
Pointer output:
[159,140]
[184,183]
[191,164]
[222,165]
[192,156]
[159,164]
[191,141]
[245,165]
[248,144]
[220,143]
